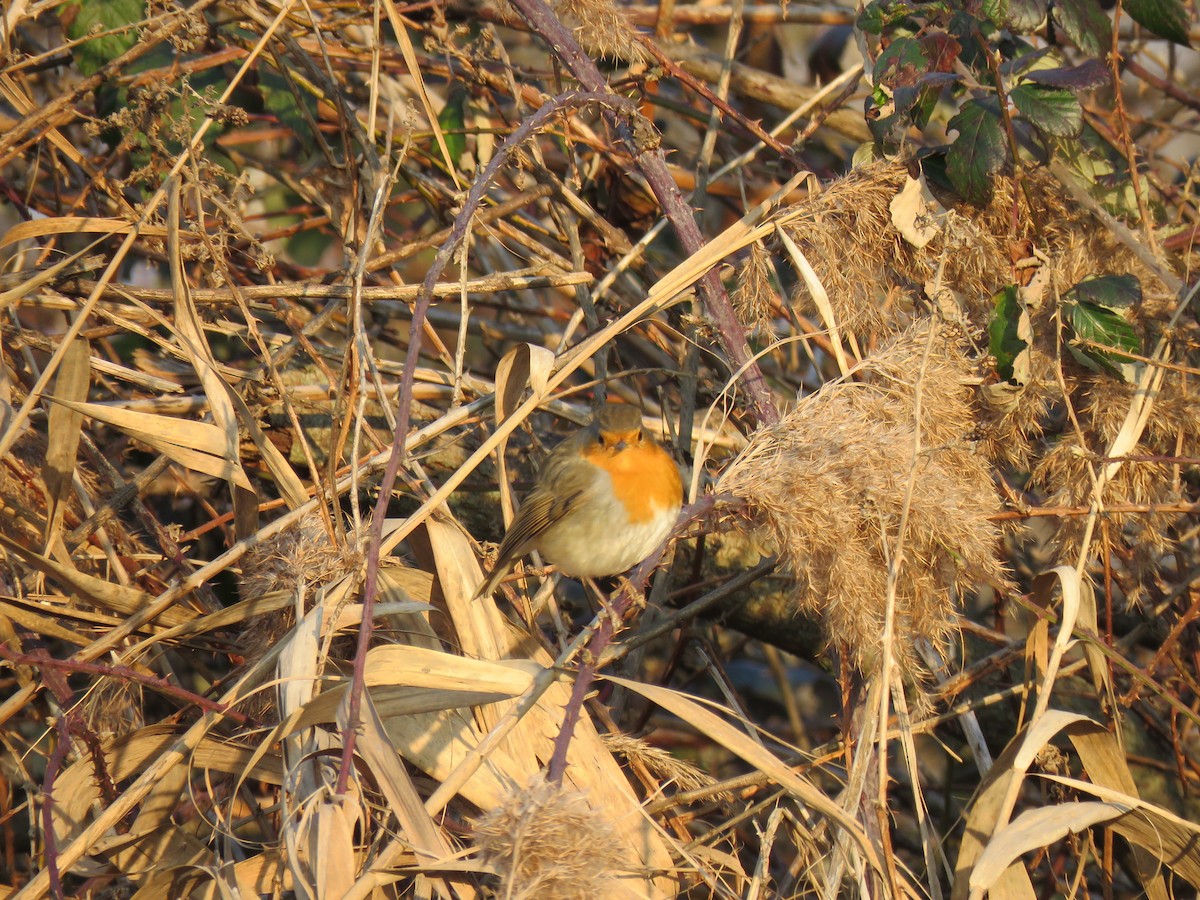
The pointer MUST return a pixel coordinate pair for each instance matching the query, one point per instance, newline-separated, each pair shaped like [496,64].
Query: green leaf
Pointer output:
[1053,111]
[880,14]
[1007,329]
[1166,18]
[870,20]
[1112,292]
[1103,339]
[280,101]
[1025,15]
[1086,24]
[453,120]
[81,18]
[995,11]
[978,152]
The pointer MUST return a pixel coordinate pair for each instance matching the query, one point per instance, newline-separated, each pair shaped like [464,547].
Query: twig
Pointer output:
[44,661]
[652,163]
[527,129]
[608,622]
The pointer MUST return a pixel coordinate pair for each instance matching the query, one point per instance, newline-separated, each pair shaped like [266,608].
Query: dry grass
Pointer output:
[864,466]
[544,841]
[214,325]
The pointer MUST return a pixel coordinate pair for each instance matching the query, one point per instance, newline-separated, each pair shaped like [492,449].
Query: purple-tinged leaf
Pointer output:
[1084,77]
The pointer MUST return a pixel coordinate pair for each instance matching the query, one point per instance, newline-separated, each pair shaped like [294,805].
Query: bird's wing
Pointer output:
[540,510]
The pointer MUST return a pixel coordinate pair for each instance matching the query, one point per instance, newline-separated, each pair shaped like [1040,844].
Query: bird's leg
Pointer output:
[606,606]
[546,599]
[636,595]
[589,585]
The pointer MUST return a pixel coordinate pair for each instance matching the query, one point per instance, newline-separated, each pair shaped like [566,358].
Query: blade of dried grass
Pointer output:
[317,824]
[414,71]
[1032,829]
[293,489]
[63,429]
[194,344]
[431,680]
[230,615]
[477,624]
[44,626]
[392,703]
[195,445]
[524,365]
[1168,838]
[260,874]
[929,839]
[391,664]
[40,228]
[1072,590]
[416,825]
[991,808]
[77,262]
[736,741]
[1105,762]
[97,591]
[318,838]
[157,840]
[820,297]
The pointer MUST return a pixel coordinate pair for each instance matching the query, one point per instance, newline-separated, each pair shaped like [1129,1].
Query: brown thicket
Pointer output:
[919,620]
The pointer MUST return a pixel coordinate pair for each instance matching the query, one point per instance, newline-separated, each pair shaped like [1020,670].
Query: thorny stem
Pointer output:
[53,765]
[652,163]
[723,106]
[404,401]
[72,666]
[1127,147]
[606,629]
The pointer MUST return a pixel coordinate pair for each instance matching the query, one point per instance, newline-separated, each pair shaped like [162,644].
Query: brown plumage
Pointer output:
[605,499]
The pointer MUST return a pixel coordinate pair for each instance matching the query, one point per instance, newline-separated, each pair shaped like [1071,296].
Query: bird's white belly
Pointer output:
[598,538]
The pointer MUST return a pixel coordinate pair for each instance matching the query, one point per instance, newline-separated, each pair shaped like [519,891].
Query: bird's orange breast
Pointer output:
[644,477]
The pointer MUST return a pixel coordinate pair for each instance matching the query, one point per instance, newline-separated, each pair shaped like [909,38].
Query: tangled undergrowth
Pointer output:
[296,299]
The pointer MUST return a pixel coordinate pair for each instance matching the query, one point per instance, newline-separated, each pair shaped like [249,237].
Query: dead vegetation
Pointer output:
[267,264]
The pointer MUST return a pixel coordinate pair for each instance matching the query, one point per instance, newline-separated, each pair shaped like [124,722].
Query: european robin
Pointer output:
[605,499]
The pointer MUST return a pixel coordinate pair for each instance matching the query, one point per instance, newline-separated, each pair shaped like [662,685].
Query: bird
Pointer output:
[605,499]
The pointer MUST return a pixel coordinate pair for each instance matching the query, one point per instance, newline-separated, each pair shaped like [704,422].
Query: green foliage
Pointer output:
[1117,293]
[1166,18]
[1085,23]
[452,120]
[81,18]
[1053,111]
[1102,337]
[1003,76]
[979,151]
[1005,342]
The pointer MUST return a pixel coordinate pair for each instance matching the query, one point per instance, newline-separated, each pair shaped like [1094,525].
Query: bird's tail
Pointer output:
[498,574]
